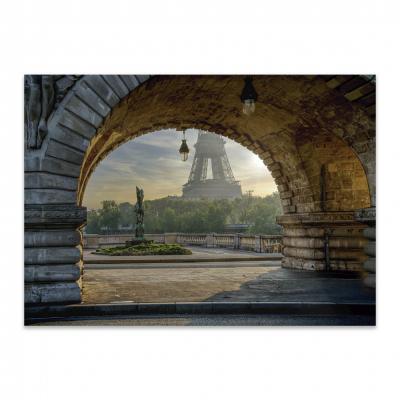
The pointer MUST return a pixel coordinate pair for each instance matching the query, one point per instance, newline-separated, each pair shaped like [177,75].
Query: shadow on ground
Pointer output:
[282,285]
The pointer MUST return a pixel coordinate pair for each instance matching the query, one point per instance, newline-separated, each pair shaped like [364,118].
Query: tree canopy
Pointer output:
[172,214]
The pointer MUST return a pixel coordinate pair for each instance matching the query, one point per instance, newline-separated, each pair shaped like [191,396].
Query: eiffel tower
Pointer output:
[210,152]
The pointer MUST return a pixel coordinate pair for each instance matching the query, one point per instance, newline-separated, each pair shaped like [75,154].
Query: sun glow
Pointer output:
[257,163]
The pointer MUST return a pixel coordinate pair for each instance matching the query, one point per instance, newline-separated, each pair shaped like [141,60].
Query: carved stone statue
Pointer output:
[39,102]
[139,210]
[43,94]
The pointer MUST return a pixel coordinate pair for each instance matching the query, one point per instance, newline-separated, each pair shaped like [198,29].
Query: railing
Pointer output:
[271,243]
[193,239]
[248,242]
[224,240]
[257,243]
[91,241]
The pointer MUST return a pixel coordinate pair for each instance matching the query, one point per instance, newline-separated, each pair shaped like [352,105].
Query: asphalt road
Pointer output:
[220,320]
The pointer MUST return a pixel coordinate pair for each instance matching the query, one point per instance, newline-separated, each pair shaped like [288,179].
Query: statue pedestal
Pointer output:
[138,241]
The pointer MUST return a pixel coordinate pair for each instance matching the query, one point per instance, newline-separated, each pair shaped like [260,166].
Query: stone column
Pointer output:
[170,238]
[368,216]
[210,240]
[91,241]
[323,241]
[53,253]
[236,241]
[257,244]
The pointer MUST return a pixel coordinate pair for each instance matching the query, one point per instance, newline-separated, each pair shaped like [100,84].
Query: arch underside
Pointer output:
[293,144]
[318,145]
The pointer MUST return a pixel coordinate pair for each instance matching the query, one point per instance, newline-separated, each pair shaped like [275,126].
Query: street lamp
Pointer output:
[249,96]
[184,149]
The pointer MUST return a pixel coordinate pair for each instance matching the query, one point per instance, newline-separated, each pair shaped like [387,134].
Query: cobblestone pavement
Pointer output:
[222,320]
[241,281]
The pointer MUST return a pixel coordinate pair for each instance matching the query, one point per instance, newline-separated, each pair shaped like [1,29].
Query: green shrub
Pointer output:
[148,249]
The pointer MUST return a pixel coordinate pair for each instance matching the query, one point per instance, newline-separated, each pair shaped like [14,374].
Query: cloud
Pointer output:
[152,161]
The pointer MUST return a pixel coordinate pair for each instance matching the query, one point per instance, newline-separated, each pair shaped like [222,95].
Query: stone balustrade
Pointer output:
[94,241]
[222,240]
[257,243]
[192,239]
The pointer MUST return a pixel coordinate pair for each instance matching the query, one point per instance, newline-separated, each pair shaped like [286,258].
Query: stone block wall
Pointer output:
[53,253]
[367,216]
[323,242]
[332,166]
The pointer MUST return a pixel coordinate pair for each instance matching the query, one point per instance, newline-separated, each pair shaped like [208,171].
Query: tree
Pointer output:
[109,215]
[169,222]
[93,222]
[127,214]
[196,216]
[217,214]
[263,215]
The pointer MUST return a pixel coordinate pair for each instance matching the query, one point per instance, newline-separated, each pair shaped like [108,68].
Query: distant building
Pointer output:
[210,153]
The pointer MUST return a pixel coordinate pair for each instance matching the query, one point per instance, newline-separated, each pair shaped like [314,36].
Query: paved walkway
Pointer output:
[170,283]
[239,281]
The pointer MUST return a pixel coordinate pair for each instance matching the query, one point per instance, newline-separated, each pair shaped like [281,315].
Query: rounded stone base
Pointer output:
[320,265]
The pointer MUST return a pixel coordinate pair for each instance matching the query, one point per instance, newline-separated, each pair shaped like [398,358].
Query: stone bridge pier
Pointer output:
[53,253]
[367,217]
[315,134]
[323,241]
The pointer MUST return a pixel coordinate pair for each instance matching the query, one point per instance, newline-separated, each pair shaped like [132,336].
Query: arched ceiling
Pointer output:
[288,108]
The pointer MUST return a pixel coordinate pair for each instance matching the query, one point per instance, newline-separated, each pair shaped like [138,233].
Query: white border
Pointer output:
[306,36]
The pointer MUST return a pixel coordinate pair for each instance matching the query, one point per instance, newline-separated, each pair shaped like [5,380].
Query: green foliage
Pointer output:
[262,215]
[127,213]
[109,215]
[147,249]
[172,214]
[93,222]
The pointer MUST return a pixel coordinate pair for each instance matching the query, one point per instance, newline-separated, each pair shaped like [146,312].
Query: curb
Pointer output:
[59,312]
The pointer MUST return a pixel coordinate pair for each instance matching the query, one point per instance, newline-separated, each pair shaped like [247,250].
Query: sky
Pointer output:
[153,163]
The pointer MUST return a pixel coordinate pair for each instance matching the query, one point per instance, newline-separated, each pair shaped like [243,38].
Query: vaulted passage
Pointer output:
[283,131]
[315,134]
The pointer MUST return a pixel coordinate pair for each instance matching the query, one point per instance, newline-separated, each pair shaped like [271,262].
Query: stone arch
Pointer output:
[91,100]
[101,112]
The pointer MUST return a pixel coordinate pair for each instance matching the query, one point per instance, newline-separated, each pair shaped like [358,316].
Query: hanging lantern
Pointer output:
[184,149]
[249,96]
